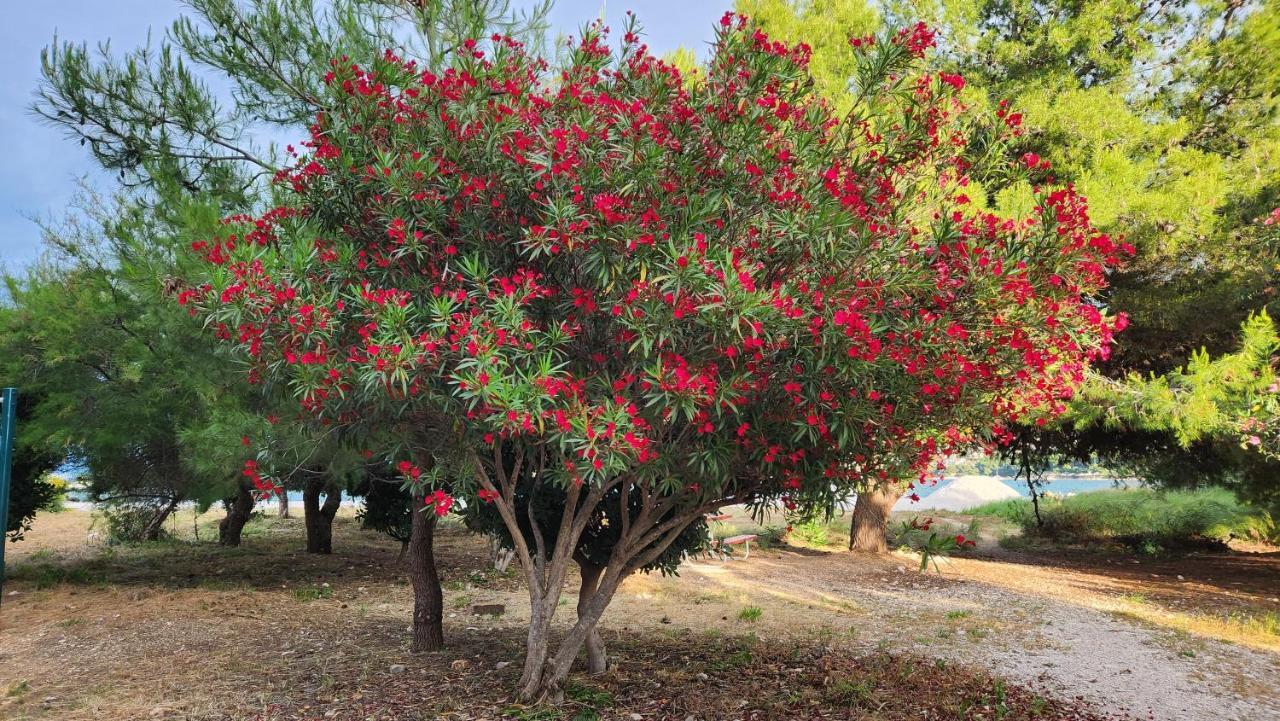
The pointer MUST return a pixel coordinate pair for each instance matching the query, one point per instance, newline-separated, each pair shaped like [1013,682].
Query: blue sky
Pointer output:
[40,167]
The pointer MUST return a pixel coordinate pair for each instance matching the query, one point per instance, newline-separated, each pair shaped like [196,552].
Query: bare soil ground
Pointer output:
[188,630]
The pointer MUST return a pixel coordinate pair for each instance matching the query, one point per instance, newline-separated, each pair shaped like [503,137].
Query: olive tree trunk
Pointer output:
[282,501]
[871,518]
[238,512]
[318,518]
[428,600]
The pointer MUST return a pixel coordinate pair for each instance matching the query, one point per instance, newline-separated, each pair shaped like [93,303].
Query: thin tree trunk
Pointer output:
[871,517]
[597,660]
[282,500]
[537,647]
[556,670]
[156,524]
[232,524]
[318,518]
[428,600]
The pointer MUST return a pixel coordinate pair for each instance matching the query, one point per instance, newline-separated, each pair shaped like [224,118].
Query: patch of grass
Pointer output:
[531,713]
[47,575]
[1135,597]
[1266,623]
[738,659]
[590,699]
[312,593]
[851,692]
[811,533]
[751,614]
[17,689]
[1150,521]
[957,615]
[69,622]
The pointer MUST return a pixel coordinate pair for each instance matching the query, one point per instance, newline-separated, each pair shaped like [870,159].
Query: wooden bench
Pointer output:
[743,540]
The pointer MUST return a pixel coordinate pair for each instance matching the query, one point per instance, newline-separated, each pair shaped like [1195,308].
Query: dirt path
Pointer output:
[188,630]
[1025,622]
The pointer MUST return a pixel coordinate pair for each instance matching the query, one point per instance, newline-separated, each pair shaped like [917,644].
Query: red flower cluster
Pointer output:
[720,282]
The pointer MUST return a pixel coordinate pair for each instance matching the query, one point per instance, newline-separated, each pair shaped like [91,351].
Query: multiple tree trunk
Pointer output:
[428,600]
[318,517]
[238,512]
[871,518]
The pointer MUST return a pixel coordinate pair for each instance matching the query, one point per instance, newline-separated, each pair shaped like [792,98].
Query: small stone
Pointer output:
[666,619]
[488,609]
[702,676]
[636,717]
[1180,578]
[398,668]
[501,665]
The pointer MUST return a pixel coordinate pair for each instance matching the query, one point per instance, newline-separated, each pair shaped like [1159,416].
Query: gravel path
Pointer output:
[1052,638]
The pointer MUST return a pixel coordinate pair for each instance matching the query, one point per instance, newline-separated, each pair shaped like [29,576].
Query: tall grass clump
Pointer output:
[1143,517]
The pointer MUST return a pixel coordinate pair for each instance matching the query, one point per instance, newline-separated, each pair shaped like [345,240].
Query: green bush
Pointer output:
[811,533]
[1145,518]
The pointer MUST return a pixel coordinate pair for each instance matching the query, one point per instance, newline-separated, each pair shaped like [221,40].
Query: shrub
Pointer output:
[130,522]
[811,533]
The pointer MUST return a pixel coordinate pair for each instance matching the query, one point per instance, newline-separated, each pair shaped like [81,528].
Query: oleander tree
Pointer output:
[599,279]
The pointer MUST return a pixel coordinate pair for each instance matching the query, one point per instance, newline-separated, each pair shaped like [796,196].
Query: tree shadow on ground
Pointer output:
[1200,581]
[262,561]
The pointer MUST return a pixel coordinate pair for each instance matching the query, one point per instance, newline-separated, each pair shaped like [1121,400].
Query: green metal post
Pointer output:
[8,420]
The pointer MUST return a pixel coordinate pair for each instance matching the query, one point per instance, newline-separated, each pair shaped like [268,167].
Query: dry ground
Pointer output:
[188,630]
